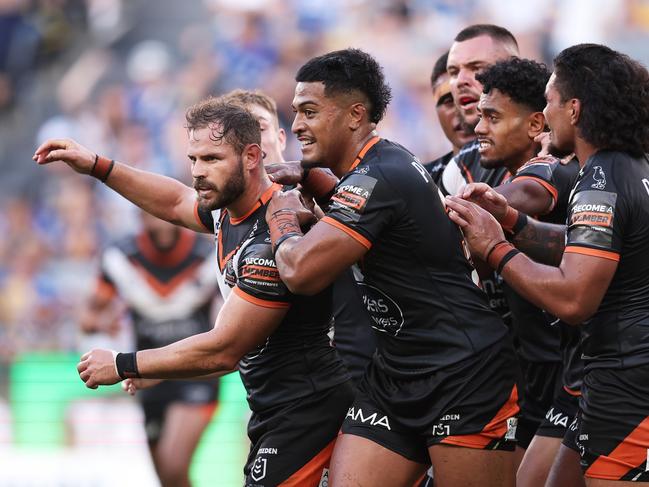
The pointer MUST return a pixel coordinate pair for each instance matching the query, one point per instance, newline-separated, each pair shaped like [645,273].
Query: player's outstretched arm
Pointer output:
[572,291]
[240,326]
[159,195]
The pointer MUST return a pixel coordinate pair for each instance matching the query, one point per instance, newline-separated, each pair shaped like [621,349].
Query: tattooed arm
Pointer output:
[543,242]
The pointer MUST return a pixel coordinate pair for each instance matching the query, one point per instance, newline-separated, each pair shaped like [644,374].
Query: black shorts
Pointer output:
[541,383]
[158,398]
[560,415]
[293,442]
[470,404]
[613,425]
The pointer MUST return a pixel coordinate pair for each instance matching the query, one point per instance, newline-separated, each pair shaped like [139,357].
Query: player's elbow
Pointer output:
[575,312]
[298,283]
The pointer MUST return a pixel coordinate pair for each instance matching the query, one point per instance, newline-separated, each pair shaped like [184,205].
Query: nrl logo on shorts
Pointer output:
[599,177]
[258,471]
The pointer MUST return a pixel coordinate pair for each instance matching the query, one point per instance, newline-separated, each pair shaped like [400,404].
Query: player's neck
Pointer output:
[354,148]
[583,151]
[256,187]
[514,165]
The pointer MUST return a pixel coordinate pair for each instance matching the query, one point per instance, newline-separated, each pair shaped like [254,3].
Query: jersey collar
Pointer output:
[263,199]
[368,145]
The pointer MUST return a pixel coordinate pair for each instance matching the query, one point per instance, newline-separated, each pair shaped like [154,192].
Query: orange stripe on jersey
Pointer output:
[572,392]
[605,254]
[352,233]
[629,454]
[166,288]
[370,143]
[259,302]
[263,199]
[310,475]
[493,430]
[263,273]
[469,176]
[198,218]
[551,189]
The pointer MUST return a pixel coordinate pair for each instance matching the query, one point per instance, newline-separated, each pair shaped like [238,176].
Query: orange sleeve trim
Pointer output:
[353,234]
[628,454]
[551,189]
[572,392]
[260,302]
[198,218]
[604,254]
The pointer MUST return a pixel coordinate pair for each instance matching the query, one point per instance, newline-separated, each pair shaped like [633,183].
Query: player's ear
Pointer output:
[281,136]
[535,124]
[575,110]
[357,115]
[252,156]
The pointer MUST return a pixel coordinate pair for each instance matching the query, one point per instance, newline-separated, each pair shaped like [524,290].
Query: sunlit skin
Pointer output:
[506,131]
[216,169]
[447,113]
[558,117]
[465,60]
[273,138]
[330,129]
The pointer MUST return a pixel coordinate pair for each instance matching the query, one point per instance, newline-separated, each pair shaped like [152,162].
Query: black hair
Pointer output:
[522,80]
[226,121]
[347,71]
[439,68]
[494,31]
[614,94]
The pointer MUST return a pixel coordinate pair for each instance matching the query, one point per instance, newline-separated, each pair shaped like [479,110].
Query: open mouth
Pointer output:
[484,145]
[468,102]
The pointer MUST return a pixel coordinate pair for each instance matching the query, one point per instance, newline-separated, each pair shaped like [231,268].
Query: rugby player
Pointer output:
[164,276]
[597,107]
[448,116]
[298,389]
[441,385]
[474,49]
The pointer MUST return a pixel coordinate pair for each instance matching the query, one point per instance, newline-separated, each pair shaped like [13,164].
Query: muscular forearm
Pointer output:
[159,195]
[543,242]
[550,289]
[198,355]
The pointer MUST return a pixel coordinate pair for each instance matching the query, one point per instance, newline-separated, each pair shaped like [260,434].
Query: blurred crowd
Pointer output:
[117,76]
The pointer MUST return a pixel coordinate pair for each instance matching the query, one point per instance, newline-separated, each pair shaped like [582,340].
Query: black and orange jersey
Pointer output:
[297,359]
[557,177]
[168,293]
[418,289]
[608,218]
[465,168]
[538,333]
[436,167]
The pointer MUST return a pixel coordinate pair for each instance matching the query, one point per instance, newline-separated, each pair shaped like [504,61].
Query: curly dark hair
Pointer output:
[347,71]
[522,80]
[614,94]
[227,121]
[439,68]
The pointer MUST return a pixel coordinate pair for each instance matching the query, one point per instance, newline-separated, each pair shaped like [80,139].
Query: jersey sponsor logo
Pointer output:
[258,470]
[385,313]
[353,195]
[374,419]
[420,169]
[591,218]
[259,272]
[558,418]
[267,451]
[599,177]
[259,261]
[361,170]
[324,478]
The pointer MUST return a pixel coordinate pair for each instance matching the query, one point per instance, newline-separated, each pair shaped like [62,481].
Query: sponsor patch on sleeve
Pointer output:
[591,218]
[352,195]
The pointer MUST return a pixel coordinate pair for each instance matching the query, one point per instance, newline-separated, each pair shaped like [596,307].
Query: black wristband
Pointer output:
[282,239]
[506,258]
[521,222]
[497,244]
[126,364]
